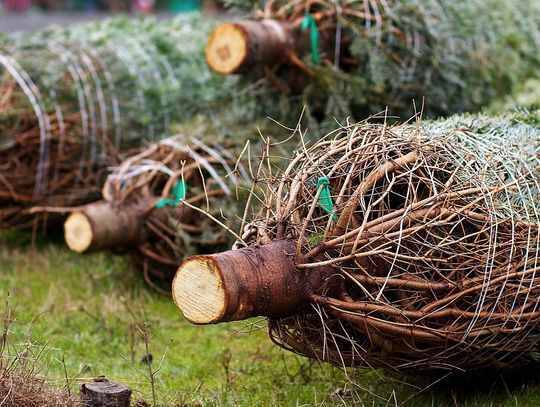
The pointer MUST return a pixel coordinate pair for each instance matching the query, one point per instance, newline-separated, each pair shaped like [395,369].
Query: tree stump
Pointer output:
[103,393]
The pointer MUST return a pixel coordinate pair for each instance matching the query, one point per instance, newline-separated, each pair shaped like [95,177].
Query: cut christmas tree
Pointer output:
[360,57]
[178,197]
[76,101]
[412,246]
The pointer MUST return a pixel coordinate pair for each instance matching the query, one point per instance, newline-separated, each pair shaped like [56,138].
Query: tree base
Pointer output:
[234,47]
[240,284]
[103,393]
[105,225]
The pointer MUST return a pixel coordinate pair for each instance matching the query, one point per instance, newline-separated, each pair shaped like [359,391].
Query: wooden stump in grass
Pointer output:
[103,393]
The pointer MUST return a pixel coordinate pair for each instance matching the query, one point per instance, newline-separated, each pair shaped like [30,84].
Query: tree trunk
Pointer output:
[238,46]
[103,393]
[239,284]
[107,225]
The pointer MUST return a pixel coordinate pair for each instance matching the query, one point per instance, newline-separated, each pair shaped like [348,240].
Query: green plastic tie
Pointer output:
[179,192]
[310,23]
[325,197]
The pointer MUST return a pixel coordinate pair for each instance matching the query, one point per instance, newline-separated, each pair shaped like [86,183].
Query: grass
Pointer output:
[88,312]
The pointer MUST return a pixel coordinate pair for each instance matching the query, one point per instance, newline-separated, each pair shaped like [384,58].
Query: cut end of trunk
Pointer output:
[240,284]
[107,225]
[198,290]
[102,392]
[227,48]
[78,232]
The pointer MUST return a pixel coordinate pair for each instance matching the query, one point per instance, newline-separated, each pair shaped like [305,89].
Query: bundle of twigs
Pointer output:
[74,101]
[354,57]
[414,246]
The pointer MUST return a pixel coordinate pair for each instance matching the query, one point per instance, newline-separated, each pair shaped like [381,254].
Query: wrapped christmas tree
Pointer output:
[360,57]
[412,246]
[150,206]
[179,197]
[75,101]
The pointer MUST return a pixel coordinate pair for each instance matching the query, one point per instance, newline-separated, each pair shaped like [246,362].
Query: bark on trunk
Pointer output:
[238,46]
[109,225]
[104,393]
[239,284]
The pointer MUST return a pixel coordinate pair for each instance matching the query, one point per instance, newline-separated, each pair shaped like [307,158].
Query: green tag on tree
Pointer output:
[309,23]
[325,197]
[179,192]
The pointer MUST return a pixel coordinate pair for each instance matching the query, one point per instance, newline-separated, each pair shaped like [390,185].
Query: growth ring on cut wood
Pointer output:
[78,232]
[103,393]
[244,283]
[105,225]
[227,48]
[198,290]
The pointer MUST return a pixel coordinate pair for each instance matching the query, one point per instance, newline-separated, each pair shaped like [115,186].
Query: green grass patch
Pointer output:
[87,310]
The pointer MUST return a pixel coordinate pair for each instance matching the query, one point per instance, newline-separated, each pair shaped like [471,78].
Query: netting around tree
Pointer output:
[459,56]
[206,168]
[432,232]
[75,101]
[183,174]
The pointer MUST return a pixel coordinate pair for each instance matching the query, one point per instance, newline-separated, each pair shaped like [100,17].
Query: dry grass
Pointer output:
[22,380]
